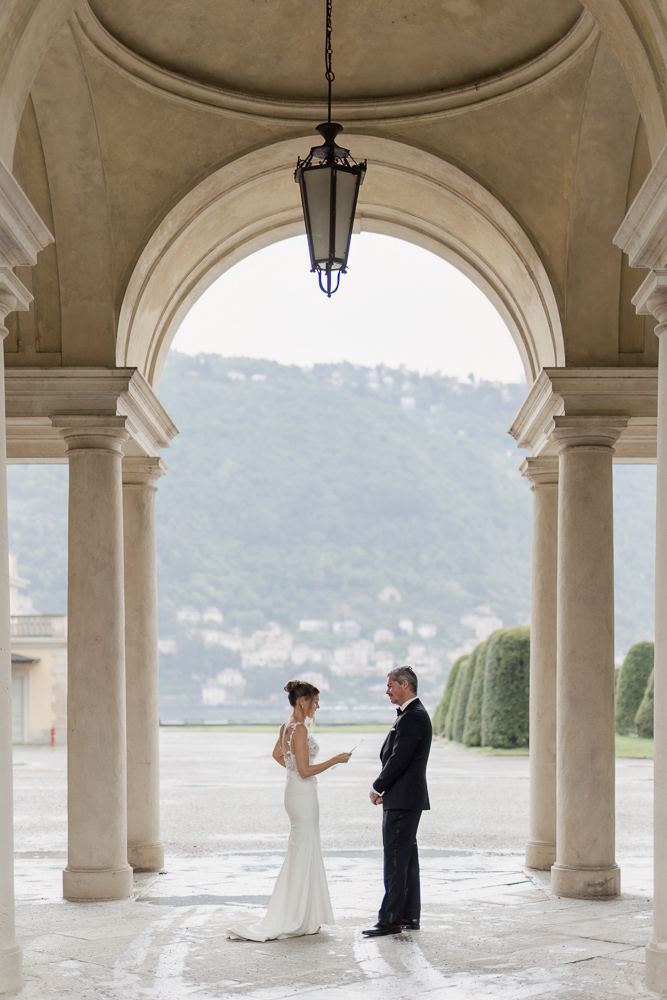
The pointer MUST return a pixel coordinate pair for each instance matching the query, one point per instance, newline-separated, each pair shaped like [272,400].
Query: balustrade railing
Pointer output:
[38,625]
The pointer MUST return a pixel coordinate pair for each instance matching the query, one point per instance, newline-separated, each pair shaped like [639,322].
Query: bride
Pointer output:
[300,901]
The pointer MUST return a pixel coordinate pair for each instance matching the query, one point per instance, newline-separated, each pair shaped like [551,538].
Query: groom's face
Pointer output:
[398,693]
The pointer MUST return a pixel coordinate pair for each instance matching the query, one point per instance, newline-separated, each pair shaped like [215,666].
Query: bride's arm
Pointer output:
[278,750]
[300,750]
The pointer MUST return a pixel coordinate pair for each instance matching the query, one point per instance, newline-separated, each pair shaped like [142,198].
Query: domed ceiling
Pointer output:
[382,48]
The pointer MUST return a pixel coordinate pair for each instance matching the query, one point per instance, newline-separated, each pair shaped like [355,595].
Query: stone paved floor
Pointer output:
[489,929]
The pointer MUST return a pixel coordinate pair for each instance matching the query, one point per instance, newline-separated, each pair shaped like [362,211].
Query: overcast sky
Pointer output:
[398,304]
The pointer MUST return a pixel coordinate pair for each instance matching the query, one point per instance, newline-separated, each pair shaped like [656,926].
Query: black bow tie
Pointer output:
[398,711]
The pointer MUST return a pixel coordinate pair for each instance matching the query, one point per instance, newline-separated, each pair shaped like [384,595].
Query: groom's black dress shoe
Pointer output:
[410,925]
[380,930]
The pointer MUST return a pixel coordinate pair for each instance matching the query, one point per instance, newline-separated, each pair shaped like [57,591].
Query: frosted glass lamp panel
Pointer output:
[347,186]
[316,190]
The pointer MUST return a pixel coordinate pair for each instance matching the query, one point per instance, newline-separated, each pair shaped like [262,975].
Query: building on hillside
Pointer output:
[39,670]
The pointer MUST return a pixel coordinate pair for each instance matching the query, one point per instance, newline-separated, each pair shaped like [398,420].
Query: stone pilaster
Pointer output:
[652,299]
[541,845]
[144,845]
[22,236]
[585,866]
[10,952]
[97,867]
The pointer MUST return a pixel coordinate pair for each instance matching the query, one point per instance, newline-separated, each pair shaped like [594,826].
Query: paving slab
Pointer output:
[490,928]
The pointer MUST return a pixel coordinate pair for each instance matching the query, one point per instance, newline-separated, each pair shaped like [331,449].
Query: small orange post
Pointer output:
[53,737]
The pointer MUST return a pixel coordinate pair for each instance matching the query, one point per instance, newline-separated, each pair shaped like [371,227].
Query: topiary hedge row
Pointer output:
[441,712]
[631,686]
[485,701]
[644,717]
[472,731]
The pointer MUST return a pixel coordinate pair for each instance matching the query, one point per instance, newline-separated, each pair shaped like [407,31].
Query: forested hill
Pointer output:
[384,508]
[298,494]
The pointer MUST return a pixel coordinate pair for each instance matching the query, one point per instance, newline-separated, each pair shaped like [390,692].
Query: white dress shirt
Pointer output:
[405,704]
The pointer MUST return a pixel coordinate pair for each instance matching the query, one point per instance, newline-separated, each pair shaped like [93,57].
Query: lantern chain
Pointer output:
[328,54]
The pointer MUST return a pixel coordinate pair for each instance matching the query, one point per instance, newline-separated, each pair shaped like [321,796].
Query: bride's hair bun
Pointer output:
[300,689]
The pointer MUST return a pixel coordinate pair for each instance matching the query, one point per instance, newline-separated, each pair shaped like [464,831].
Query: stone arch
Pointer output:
[253,201]
[637,32]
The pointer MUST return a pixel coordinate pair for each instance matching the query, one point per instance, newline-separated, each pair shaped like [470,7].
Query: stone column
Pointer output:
[652,299]
[145,851]
[10,952]
[541,845]
[97,867]
[585,865]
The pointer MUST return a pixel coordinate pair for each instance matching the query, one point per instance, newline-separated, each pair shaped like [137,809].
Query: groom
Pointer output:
[401,790]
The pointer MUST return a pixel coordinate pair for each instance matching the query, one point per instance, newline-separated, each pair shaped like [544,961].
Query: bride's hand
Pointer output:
[342,758]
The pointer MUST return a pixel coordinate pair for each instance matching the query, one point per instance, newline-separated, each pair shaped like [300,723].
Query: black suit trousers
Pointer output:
[402,899]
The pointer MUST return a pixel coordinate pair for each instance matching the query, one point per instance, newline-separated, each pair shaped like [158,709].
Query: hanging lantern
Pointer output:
[329,181]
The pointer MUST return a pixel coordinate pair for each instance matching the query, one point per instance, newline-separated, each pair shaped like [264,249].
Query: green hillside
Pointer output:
[304,494]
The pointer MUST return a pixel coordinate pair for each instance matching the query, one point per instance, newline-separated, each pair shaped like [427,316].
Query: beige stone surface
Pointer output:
[156,143]
[488,929]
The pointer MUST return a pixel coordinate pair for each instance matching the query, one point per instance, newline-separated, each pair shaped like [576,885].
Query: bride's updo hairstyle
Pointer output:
[300,689]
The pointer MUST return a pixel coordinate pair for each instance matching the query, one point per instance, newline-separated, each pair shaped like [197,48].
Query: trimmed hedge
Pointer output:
[632,683]
[449,718]
[472,730]
[644,716]
[462,695]
[440,714]
[506,679]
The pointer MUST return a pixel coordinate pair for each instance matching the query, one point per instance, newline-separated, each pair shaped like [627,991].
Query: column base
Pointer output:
[146,857]
[11,972]
[656,967]
[586,883]
[97,885]
[540,854]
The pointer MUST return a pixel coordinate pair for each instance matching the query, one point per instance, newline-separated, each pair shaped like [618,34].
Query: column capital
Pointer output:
[587,432]
[143,472]
[13,295]
[541,470]
[92,433]
[651,298]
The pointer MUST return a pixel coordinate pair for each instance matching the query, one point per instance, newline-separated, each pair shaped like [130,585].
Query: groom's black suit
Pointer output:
[402,785]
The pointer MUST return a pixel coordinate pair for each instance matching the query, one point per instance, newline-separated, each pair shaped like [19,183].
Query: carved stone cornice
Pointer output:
[37,399]
[608,394]
[22,236]
[22,232]
[643,232]
[409,108]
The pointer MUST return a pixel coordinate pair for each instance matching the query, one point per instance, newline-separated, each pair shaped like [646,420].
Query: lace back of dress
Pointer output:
[288,753]
[290,759]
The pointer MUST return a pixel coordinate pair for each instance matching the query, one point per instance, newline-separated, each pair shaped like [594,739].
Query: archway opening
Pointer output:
[359,446]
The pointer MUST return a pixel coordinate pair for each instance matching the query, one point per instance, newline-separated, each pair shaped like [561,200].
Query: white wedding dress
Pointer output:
[300,901]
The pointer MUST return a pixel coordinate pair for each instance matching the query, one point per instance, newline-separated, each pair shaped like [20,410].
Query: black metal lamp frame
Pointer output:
[335,159]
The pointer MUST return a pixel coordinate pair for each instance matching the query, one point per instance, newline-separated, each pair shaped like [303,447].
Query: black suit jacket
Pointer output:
[404,756]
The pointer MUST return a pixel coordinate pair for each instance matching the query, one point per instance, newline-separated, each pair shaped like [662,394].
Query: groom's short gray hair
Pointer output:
[402,674]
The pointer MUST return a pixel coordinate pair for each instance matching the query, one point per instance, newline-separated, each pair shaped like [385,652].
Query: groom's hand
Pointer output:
[375,798]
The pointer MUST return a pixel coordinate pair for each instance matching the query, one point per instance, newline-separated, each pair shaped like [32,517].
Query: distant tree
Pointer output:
[644,716]
[635,672]
[472,730]
[506,679]
[462,694]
